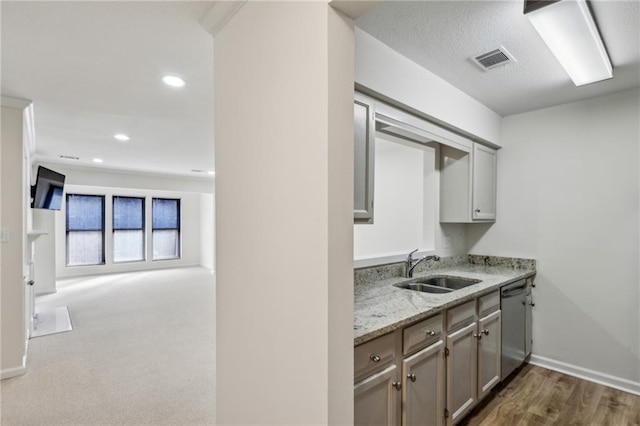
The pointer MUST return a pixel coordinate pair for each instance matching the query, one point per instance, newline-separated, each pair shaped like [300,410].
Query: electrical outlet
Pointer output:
[4,235]
[446,241]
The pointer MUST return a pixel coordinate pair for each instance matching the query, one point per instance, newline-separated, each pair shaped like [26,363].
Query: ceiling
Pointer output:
[93,69]
[441,36]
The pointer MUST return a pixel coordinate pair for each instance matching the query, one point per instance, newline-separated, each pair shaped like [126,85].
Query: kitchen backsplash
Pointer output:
[372,274]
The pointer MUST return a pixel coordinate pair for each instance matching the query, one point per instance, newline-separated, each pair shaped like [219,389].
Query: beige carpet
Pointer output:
[142,352]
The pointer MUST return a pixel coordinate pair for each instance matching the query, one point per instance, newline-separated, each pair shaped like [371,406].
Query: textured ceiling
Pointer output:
[93,69]
[441,36]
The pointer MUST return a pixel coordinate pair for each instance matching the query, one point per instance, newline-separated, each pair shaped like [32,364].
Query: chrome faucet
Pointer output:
[411,263]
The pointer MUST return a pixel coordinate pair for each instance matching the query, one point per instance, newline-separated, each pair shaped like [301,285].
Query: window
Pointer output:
[128,229]
[166,228]
[85,230]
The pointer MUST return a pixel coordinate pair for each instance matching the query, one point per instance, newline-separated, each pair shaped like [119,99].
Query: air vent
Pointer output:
[69,157]
[496,58]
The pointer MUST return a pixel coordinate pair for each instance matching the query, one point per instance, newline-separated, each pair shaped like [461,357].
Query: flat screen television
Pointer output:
[47,192]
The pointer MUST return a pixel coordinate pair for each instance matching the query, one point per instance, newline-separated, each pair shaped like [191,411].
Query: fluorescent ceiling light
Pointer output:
[121,137]
[568,29]
[172,80]
[211,172]
[97,160]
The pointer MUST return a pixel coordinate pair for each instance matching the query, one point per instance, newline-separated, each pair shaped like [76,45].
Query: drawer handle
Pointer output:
[430,333]
[411,377]
[478,336]
[485,332]
[397,385]
[375,358]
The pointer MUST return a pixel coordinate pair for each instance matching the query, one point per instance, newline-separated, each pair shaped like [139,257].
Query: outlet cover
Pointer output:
[4,235]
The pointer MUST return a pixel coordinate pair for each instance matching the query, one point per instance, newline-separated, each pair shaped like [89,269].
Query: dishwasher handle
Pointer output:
[512,292]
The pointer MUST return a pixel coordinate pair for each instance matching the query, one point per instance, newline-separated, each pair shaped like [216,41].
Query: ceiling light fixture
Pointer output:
[570,32]
[173,81]
[211,172]
[97,160]
[122,137]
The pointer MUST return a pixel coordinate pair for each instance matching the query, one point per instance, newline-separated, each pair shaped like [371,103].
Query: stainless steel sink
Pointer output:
[438,284]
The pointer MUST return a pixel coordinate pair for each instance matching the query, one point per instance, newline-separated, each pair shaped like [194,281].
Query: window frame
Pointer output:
[102,231]
[114,229]
[178,229]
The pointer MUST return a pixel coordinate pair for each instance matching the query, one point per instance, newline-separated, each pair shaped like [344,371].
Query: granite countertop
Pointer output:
[380,307]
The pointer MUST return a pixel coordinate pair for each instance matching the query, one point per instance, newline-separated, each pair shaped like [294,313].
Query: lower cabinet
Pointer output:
[489,353]
[462,372]
[422,376]
[423,389]
[377,399]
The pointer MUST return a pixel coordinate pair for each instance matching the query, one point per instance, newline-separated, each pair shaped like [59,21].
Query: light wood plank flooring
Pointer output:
[537,396]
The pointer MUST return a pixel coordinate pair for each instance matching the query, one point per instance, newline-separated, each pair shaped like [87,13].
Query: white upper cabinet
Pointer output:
[364,149]
[468,184]
[484,182]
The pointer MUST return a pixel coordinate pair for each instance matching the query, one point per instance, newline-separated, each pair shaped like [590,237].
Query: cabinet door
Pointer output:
[484,182]
[423,390]
[462,372]
[377,400]
[489,353]
[364,150]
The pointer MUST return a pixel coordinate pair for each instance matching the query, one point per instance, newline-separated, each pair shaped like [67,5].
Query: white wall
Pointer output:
[12,220]
[406,192]
[284,225]
[391,75]
[189,232]
[568,196]
[207,231]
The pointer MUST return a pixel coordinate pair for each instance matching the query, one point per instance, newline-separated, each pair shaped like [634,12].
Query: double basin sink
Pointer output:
[437,284]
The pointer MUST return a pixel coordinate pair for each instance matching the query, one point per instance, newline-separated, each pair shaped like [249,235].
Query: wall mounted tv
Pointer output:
[47,192]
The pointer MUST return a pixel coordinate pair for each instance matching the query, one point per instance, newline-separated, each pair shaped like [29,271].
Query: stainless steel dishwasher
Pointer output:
[516,325]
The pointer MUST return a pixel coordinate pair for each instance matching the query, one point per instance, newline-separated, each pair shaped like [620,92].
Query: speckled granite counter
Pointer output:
[380,307]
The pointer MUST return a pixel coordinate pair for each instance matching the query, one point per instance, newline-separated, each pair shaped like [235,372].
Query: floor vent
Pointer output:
[496,58]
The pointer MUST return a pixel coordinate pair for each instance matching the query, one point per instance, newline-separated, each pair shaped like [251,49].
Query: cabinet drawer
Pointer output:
[373,355]
[461,315]
[489,303]
[422,334]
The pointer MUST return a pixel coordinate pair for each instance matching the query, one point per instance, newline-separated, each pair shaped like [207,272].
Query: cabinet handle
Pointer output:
[397,385]
[375,358]
[477,210]
[430,333]
[485,332]
[411,377]
[478,336]
[532,304]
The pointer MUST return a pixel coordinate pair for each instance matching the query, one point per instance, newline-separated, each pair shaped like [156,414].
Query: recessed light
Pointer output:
[122,137]
[174,81]
[211,172]
[97,160]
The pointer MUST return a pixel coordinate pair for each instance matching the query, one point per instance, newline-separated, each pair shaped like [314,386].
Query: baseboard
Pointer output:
[15,371]
[586,374]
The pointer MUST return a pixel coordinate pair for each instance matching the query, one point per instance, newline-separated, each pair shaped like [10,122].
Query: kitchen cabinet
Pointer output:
[364,158]
[474,357]
[489,355]
[377,398]
[484,182]
[468,184]
[462,372]
[432,372]
[400,377]
[423,388]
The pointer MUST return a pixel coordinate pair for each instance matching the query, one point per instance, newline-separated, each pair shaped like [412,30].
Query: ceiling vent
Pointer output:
[69,157]
[496,58]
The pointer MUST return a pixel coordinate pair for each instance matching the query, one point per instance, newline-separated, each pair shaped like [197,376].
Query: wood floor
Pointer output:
[537,396]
